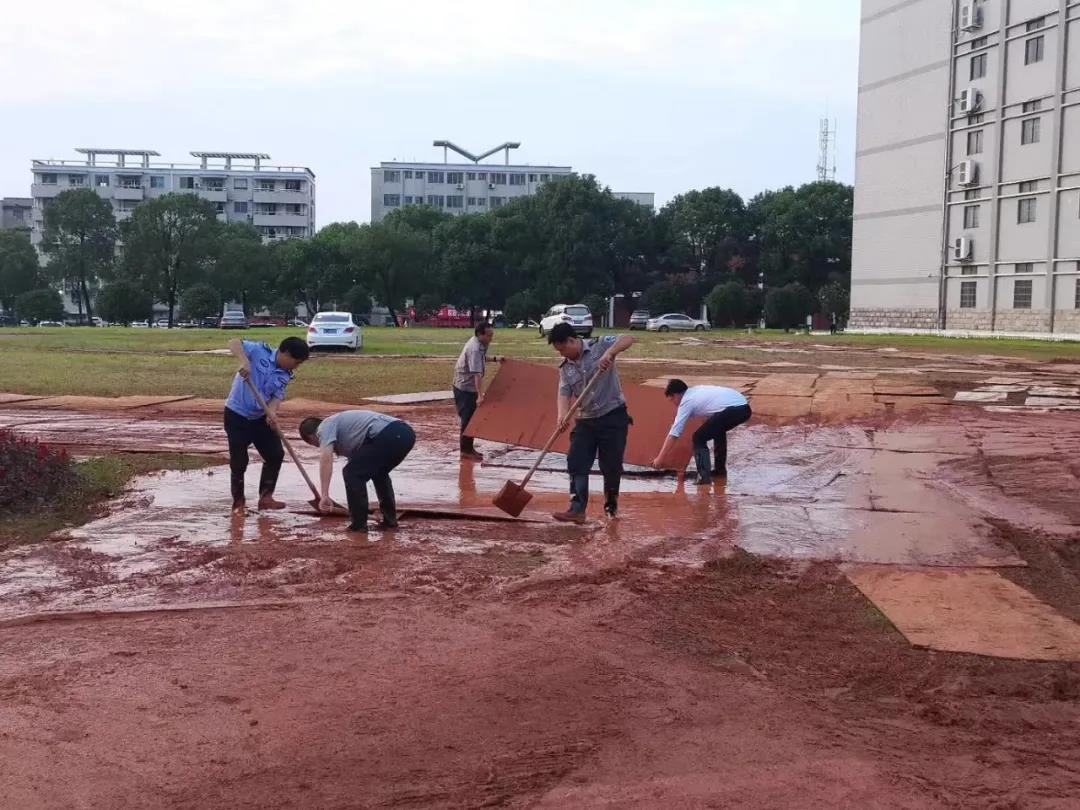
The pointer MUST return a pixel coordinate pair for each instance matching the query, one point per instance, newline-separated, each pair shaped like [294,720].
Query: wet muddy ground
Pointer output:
[706,650]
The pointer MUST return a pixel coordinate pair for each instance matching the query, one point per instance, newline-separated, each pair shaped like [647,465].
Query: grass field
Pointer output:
[118,361]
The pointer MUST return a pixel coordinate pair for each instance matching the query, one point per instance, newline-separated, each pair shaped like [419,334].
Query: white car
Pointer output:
[140,325]
[334,329]
[676,322]
[577,315]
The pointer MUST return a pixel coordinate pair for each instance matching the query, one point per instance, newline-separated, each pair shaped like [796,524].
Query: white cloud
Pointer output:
[126,49]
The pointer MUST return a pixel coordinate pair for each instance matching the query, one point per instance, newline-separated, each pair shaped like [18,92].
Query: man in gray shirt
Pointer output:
[375,444]
[602,422]
[468,376]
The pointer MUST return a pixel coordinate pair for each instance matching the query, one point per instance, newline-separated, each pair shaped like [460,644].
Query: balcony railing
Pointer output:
[213,167]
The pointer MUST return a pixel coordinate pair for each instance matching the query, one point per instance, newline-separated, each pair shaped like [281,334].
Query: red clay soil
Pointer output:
[480,665]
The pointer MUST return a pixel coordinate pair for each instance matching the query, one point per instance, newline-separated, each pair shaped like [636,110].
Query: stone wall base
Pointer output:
[893,319]
[1022,320]
[1067,321]
[969,320]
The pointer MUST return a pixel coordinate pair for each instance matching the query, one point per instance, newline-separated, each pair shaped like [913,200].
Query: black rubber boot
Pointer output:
[611,503]
[357,498]
[384,491]
[701,461]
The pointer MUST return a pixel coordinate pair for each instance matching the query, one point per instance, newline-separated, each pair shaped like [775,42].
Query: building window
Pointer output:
[1036,24]
[1022,294]
[157,181]
[264,185]
[219,207]
[533,178]
[455,178]
[1029,130]
[967,294]
[977,118]
[1028,186]
[47,179]
[294,185]
[1024,267]
[1032,106]
[975,142]
[407,174]
[294,209]
[498,202]
[187,183]
[435,200]
[1025,209]
[1076,295]
[214,184]
[471,175]
[391,200]
[498,178]
[968,271]
[101,180]
[455,201]
[971,216]
[971,194]
[240,183]
[517,179]
[978,66]
[481,202]
[128,182]
[240,207]
[76,180]
[979,42]
[435,177]
[391,176]
[482,176]
[471,201]
[544,178]
[1033,50]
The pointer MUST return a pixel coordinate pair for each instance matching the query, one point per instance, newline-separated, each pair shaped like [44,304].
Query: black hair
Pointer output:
[310,426]
[482,327]
[296,348]
[675,387]
[560,333]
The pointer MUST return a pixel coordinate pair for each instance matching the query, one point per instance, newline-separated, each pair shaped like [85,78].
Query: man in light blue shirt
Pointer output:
[246,423]
[725,408]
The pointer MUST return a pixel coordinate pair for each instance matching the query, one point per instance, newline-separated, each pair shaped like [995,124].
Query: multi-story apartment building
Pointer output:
[646,199]
[278,200]
[15,213]
[967,194]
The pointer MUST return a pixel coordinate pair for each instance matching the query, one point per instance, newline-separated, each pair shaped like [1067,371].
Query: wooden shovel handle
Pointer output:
[300,466]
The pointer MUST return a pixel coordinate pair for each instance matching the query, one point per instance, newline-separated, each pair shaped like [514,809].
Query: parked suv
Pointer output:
[577,315]
[639,318]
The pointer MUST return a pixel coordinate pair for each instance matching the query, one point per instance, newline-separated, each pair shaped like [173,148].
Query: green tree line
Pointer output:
[571,241]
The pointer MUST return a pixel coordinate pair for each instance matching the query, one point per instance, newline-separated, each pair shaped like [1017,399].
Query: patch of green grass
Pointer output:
[99,480]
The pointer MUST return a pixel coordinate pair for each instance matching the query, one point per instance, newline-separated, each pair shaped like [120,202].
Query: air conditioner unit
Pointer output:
[968,173]
[460,187]
[970,99]
[491,185]
[971,16]
[963,248]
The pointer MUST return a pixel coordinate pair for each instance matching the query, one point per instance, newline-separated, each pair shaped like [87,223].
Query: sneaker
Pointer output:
[570,517]
[268,502]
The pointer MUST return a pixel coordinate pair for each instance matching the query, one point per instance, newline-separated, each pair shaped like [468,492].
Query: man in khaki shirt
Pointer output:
[468,377]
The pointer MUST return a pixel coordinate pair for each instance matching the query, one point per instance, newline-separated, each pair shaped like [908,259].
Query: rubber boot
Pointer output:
[701,461]
[579,500]
[384,491]
[357,498]
[468,449]
[720,465]
[611,503]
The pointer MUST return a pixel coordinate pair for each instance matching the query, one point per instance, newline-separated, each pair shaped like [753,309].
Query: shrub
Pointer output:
[33,475]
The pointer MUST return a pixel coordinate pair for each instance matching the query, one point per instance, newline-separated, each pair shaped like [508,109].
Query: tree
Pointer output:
[598,306]
[318,270]
[833,299]
[391,260]
[243,271]
[662,297]
[44,304]
[169,244]
[709,228]
[358,300]
[427,306]
[124,301]
[729,304]
[787,307]
[19,269]
[200,301]
[521,306]
[284,308]
[80,241]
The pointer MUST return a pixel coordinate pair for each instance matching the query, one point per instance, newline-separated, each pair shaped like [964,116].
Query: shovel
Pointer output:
[513,498]
[338,508]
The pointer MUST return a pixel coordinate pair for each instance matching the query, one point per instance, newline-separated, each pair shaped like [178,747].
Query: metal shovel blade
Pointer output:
[512,498]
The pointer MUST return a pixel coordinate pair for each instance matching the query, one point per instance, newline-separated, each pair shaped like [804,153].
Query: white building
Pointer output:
[464,188]
[278,200]
[967,193]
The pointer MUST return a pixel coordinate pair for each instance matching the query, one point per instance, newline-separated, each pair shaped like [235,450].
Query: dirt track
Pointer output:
[705,652]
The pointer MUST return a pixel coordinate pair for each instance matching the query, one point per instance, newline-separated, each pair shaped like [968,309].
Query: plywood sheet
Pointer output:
[969,611]
[81,403]
[520,408]
[412,399]
[6,399]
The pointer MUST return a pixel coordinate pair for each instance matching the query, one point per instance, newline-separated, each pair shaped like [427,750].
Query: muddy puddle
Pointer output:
[903,493]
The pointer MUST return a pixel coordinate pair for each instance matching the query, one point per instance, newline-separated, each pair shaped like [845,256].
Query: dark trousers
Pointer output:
[604,436]
[373,461]
[716,428]
[465,402]
[243,433]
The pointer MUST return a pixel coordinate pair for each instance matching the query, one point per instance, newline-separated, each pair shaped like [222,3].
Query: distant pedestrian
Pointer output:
[374,445]
[246,423]
[725,408]
[603,421]
[832,324]
[468,380]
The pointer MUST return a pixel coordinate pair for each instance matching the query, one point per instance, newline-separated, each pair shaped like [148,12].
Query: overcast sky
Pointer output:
[648,96]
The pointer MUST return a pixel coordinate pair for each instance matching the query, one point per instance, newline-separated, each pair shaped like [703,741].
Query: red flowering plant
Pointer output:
[32,474]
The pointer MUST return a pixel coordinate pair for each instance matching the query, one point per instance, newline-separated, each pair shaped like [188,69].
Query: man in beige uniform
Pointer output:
[468,377]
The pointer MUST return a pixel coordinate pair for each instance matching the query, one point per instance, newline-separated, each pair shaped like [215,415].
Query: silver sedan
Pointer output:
[676,322]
